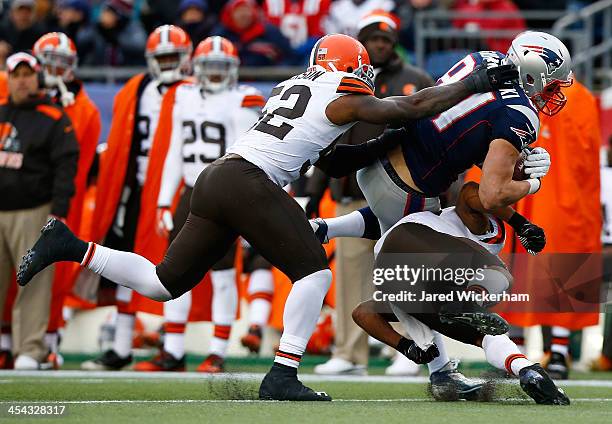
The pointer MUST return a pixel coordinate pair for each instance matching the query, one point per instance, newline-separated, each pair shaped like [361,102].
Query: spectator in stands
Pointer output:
[514,20]
[73,20]
[258,43]
[194,19]
[19,30]
[38,162]
[345,14]
[301,21]
[405,10]
[120,40]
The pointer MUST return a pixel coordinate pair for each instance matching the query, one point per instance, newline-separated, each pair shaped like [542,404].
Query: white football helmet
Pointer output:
[544,65]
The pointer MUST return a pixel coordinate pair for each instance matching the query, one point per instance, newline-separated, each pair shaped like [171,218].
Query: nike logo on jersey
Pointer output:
[527,136]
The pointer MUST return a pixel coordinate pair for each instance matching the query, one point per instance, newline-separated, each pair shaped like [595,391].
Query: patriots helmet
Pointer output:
[544,65]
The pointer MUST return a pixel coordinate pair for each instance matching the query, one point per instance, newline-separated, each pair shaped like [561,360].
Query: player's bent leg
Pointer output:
[58,243]
[224,308]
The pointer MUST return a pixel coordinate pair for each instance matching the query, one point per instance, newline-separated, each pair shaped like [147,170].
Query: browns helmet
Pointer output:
[215,64]
[168,50]
[339,52]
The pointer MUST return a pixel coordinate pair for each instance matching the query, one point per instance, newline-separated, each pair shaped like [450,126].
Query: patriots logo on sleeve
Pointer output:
[526,136]
[551,58]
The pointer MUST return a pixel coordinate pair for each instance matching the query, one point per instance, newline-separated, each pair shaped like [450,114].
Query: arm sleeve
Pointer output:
[64,159]
[344,159]
[173,164]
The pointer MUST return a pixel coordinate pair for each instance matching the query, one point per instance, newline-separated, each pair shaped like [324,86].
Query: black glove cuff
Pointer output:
[517,221]
[403,345]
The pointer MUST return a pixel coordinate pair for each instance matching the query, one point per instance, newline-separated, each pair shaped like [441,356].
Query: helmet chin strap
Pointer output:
[66,97]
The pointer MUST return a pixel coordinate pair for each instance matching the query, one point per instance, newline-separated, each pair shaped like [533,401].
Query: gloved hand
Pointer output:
[164,221]
[537,163]
[483,79]
[530,235]
[410,350]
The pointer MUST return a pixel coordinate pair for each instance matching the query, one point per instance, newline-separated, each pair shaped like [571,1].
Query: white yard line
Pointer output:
[100,376]
[204,401]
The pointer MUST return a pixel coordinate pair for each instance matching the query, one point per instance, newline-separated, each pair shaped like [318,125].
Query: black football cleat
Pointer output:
[558,366]
[448,384]
[281,383]
[475,316]
[539,386]
[56,243]
[109,361]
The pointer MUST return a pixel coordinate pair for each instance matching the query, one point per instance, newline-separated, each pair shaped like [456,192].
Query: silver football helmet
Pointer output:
[544,65]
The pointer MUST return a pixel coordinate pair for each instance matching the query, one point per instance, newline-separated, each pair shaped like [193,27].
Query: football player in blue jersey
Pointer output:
[489,130]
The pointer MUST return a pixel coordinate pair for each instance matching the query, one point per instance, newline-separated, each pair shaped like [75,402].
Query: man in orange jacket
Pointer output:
[129,176]
[58,56]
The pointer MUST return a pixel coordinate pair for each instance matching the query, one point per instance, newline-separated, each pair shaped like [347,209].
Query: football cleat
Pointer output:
[281,383]
[109,361]
[6,360]
[56,243]
[53,361]
[449,384]
[252,340]
[163,361]
[538,385]
[319,226]
[475,316]
[558,366]
[213,364]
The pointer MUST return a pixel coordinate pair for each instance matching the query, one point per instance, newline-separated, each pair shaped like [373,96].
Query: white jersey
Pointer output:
[204,125]
[149,106]
[606,204]
[448,222]
[294,129]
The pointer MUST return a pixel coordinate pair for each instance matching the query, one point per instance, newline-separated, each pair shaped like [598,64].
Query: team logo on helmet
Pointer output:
[551,58]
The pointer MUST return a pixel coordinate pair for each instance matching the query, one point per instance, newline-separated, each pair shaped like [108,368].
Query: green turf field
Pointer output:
[192,398]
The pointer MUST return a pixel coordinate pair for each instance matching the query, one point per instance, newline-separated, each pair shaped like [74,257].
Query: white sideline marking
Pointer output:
[96,376]
[179,401]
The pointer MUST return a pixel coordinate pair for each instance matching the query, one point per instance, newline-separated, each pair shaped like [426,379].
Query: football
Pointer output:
[519,167]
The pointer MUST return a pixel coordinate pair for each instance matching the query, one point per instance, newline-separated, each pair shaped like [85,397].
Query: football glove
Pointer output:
[410,350]
[483,79]
[537,163]
[530,235]
[165,223]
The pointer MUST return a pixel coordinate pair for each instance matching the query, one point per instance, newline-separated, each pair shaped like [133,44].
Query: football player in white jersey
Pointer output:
[464,229]
[168,52]
[241,194]
[208,117]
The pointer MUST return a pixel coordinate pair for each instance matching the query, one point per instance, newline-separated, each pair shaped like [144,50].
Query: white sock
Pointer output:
[176,313]
[126,269]
[302,310]
[51,341]
[439,362]
[225,296]
[351,225]
[124,333]
[218,345]
[67,313]
[560,340]
[261,288]
[6,341]
[503,354]
[174,344]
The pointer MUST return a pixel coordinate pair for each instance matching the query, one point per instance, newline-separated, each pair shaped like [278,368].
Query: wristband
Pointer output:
[517,221]
[534,185]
